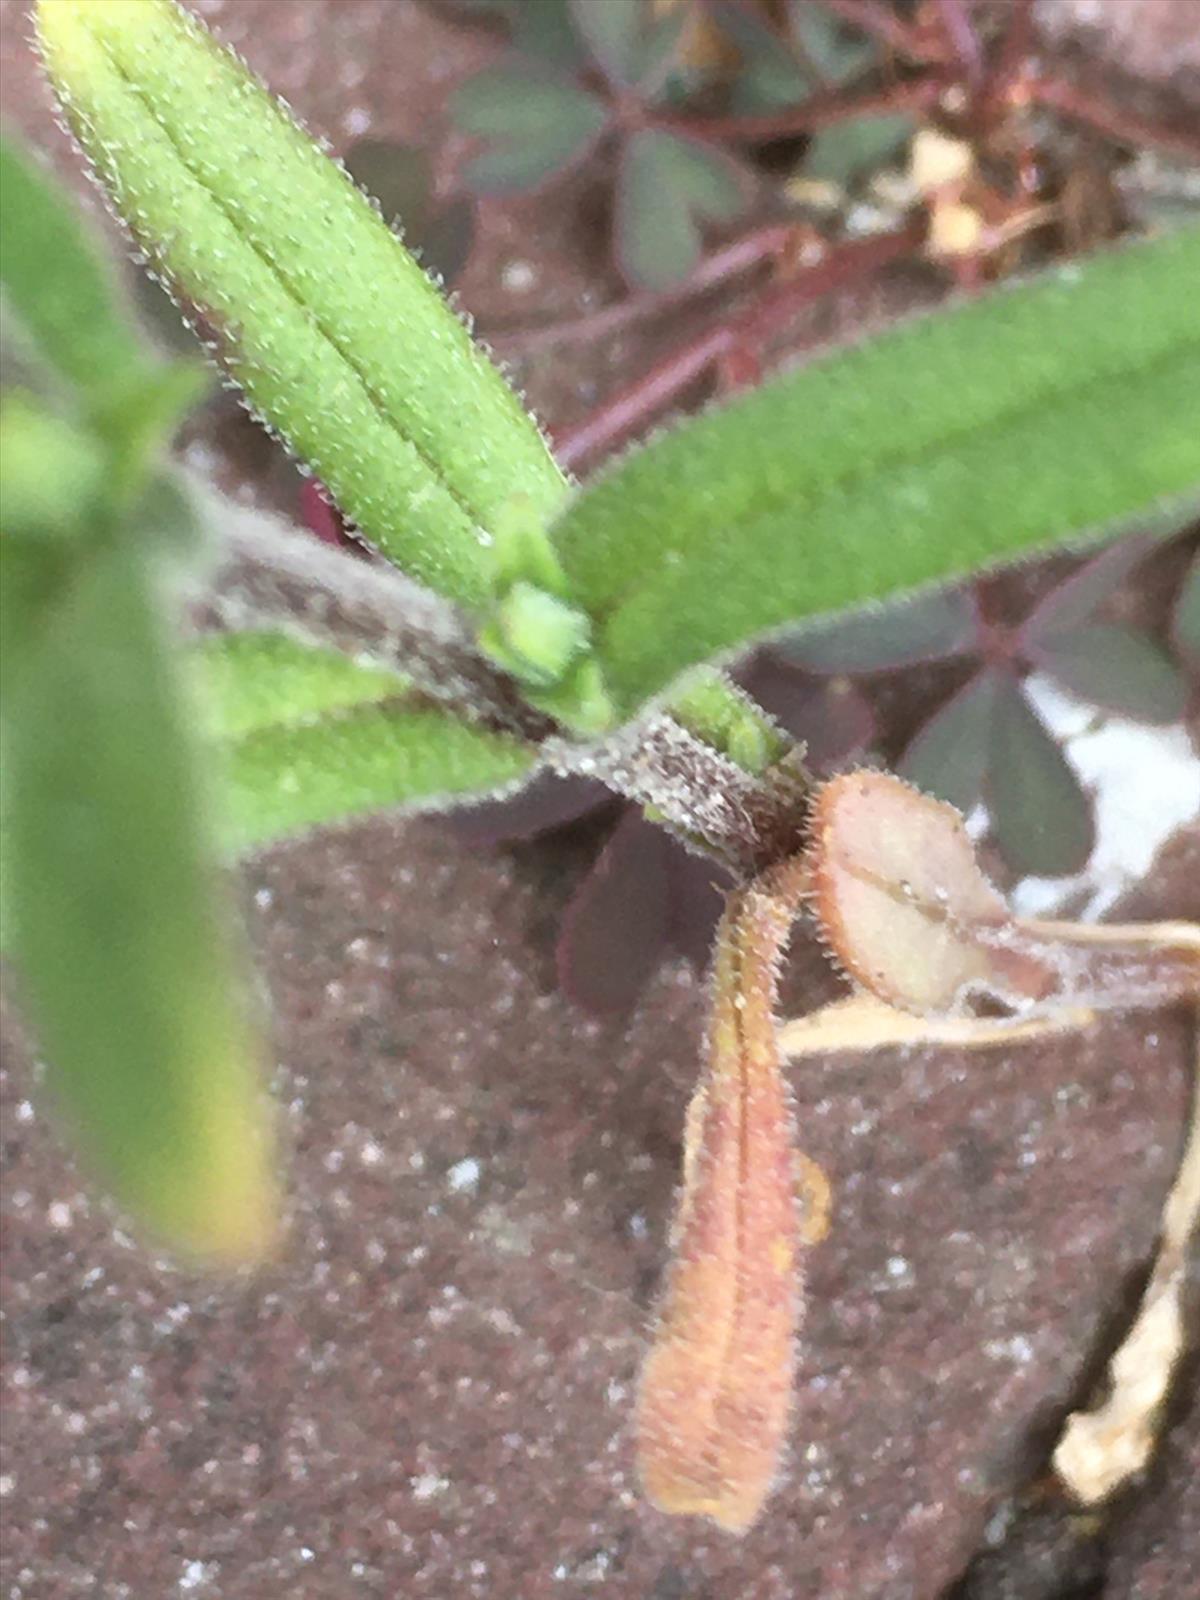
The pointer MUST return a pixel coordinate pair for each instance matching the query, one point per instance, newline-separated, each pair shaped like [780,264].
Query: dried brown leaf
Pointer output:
[905,908]
[716,1390]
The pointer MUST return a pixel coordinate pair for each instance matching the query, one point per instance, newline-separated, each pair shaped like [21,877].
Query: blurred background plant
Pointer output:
[112,908]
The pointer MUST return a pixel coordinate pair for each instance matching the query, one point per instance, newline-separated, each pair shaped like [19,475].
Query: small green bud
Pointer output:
[535,636]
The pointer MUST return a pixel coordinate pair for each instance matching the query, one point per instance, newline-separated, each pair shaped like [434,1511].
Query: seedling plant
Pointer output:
[507,623]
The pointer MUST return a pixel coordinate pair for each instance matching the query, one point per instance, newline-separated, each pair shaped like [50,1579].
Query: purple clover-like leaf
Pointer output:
[1185,619]
[837,52]
[667,186]
[536,126]
[847,151]
[1114,667]
[616,928]
[1073,601]
[930,628]
[769,75]
[832,719]
[697,898]
[1041,818]
[538,28]
[545,803]
[613,34]
[949,757]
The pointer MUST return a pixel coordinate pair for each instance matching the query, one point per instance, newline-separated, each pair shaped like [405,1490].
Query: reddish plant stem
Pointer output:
[820,111]
[638,403]
[1094,108]
[962,38]
[869,16]
[1013,51]
[763,244]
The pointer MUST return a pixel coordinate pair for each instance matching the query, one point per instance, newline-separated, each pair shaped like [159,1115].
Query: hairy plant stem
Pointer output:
[265,574]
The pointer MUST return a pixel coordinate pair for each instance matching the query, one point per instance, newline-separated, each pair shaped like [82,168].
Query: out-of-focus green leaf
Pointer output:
[1033,415]
[117,926]
[536,126]
[949,757]
[250,681]
[307,737]
[338,337]
[769,76]
[57,282]
[1185,621]
[52,473]
[847,151]
[1115,667]
[666,186]
[540,28]
[614,34]
[1041,818]
[926,628]
[288,778]
[837,52]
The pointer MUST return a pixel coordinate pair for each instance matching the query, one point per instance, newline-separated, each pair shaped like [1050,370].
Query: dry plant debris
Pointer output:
[906,911]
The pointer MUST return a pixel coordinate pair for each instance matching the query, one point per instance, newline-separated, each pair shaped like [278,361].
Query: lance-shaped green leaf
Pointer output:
[57,285]
[307,737]
[339,339]
[1034,415]
[117,925]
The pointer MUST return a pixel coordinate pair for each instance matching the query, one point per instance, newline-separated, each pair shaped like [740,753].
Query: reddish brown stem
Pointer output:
[962,39]
[869,16]
[1118,122]
[640,402]
[820,111]
[763,244]
[1013,51]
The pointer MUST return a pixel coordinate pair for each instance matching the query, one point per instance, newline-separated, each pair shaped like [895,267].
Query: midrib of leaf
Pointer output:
[342,344]
[387,771]
[590,558]
[276,266]
[1172,377]
[796,500]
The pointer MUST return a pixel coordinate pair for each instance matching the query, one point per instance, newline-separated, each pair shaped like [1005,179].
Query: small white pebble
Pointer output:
[370,1154]
[428,1485]
[25,1111]
[194,1574]
[463,1176]
[518,277]
[58,1214]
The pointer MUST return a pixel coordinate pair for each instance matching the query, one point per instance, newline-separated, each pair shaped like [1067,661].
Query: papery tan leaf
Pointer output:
[900,897]
[905,908]
[1100,1450]
[716,1389]
[861,1022]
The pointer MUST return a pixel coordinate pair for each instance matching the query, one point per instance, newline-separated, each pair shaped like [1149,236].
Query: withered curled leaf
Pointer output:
[716,1389]
[905,908]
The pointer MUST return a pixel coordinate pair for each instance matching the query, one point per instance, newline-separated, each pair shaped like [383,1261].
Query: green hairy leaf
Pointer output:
[1035,415]
[58,285]
[338,337]
[116,926]
[308,737]
[284,778]
[249,681]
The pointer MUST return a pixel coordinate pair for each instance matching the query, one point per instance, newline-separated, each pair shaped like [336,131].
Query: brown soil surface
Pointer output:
[430,1394]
